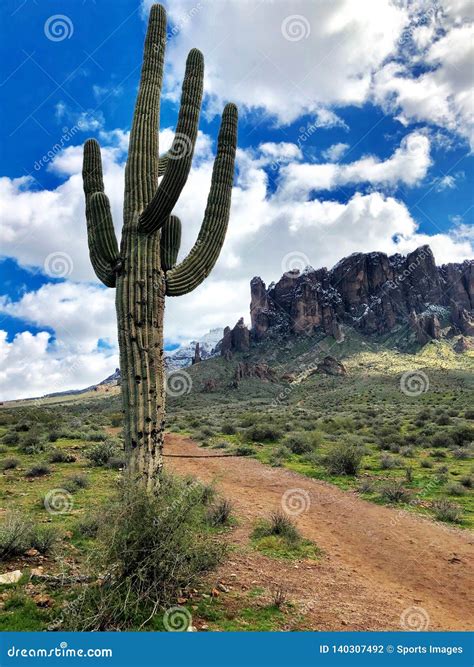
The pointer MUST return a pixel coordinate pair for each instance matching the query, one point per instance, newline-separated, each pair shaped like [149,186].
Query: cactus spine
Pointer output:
[144,270]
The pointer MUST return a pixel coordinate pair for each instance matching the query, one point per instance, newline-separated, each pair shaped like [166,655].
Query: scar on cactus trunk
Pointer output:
[144,269]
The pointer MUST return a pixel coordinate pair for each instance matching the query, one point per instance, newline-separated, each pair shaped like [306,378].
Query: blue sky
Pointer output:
[353,135]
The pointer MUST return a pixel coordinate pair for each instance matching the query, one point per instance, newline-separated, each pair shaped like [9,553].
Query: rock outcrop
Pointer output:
[374,293]
[235,340]
[197,355]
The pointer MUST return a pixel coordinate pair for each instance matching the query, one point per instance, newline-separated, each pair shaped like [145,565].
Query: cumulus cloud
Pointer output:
[287,58]
[335,152]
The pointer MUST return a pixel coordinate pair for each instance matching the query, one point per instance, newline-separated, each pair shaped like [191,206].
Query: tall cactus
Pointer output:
[144,269]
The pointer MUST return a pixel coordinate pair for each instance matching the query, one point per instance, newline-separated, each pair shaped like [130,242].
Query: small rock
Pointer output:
[222,587]
[68,534]
[215,593]
[31,553]
[182,600]
[11,577]
[42,600]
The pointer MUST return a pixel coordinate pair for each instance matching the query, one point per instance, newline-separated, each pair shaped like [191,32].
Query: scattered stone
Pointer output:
[31,553]
[222,587]
[11,577]
[43,600]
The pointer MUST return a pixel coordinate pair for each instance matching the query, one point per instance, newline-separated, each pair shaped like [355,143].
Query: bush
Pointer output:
[75,482]
[394,492]
[59,456]
[279,455]
[38,470]
[455,489]
[301,443]
[261,433]
[228,429]
[102,452]
[116,462]
[44,538]
[462,435]
[441,440]
[88,527]
[156,546]
[426,463]
[10,464]
[54,436]
[11,438]
[279,524]
[467,481]
[219,514]
[389,462]
[469,414]
[116,419]
[444,510]
[15,532]
[97,436]
[343,459]
[244,450]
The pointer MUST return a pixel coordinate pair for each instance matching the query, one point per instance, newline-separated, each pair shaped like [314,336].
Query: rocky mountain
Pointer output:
[373,293]
[185,354]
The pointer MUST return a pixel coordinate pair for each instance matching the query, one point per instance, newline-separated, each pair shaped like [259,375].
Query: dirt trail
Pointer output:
[379,564]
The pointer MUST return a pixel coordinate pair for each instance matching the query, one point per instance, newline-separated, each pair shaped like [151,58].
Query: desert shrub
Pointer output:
[366,485]
[426,463]
[394,492]
[44,538]
[11,438]
[116,462]
[260,433]
[97,436]
[23,426]
[407,451]
[455,489]
[54,436]
[441,440]
[15,532]
[220,512]
[462,453]
[469,414]
[278,524]
[75,482]
[389,462]
[228,428]
[343,459]
[102,452]
[88,527]
[222,444]
[244,450]
[445,510]
[312,458]
[409,475]
[60,456]
[467,481]
[116,419]
[156,546]
[38,470]
[10,463]
[279,455]
[462,435]
[444,420]
[298,443]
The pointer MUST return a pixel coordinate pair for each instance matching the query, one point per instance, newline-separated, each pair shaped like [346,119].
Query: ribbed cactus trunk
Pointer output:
[144,270]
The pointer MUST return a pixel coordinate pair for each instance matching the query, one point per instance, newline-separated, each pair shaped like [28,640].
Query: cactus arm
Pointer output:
[141,171]
[190,273]
[170,242]
[103,248]
[181,152]
[162,164]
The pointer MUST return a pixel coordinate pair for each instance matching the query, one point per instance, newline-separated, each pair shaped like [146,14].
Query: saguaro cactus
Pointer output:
[144,269]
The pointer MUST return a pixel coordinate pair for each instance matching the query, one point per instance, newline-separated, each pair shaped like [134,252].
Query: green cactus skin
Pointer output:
[144,271]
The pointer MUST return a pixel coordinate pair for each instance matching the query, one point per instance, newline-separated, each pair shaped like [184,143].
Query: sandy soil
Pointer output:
[382,569]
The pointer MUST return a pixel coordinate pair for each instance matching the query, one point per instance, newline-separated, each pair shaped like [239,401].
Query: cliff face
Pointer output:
[373,293]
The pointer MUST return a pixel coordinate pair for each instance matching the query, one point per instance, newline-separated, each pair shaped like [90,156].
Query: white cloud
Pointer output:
[408,165]
[335,152]
[253,59]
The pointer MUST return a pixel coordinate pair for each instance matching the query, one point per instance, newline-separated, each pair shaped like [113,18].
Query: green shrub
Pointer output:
[220,513]
[441,440]
[279,455]
[445,510]
[15,534]
[262,433]
[343,459]
[116,419]
[156,546]
[102,452]
[44,538]
[116,462]
[462,435]
[228,428]
[75,482]
[389,462]
[38,470]
[455,489]
[244,450]
[11,438]
[467,481]
[10,463]
[426,463]
[278,524]
[60,456]
[394,492]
